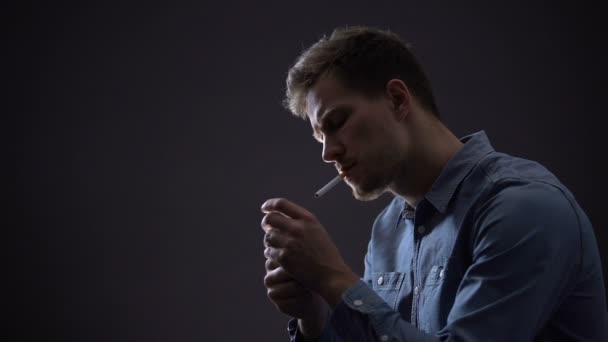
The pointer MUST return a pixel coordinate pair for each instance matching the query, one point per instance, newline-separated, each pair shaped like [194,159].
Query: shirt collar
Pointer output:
[475,146]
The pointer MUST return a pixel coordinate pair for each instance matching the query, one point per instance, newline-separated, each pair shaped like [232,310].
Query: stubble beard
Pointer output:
[381,173]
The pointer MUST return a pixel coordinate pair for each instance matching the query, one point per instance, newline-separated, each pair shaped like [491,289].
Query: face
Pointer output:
[361,136]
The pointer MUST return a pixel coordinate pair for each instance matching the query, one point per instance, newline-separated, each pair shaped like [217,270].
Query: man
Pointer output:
[476,245]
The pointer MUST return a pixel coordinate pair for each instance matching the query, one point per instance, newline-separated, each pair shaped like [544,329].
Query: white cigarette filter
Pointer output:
[328,186]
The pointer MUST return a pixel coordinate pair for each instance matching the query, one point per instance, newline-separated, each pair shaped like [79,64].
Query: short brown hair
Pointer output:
[363,59]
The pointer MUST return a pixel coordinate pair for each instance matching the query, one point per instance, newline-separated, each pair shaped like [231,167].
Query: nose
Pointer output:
[332,149]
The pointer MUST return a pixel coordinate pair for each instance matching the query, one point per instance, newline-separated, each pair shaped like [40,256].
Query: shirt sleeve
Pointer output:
[527,250]
[527,242]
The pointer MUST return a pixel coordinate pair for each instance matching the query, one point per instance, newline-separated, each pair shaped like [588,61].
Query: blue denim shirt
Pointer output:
[498,250]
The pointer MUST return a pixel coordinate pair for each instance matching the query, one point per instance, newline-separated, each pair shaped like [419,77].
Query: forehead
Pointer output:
[326,94]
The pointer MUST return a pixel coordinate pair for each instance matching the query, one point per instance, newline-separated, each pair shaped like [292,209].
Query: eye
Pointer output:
[336,121]
[331,123]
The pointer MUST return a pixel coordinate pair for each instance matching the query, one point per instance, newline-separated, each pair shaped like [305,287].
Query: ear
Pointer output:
[400,97]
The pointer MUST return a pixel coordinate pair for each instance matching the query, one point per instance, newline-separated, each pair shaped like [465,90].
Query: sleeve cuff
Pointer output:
[362,298]
[370,308]
[360,304]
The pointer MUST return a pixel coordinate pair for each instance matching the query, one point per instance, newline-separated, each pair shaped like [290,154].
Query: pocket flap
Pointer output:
[387,280]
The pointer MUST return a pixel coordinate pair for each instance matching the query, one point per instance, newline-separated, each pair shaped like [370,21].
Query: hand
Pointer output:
[289,296]
[297,242]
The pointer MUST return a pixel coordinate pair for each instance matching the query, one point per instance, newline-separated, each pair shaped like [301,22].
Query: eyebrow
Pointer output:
[337,109]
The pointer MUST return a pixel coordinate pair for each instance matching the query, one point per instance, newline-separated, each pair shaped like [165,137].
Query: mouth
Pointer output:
[346,171]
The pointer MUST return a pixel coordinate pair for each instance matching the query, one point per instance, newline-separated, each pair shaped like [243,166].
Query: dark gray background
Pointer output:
[150,134]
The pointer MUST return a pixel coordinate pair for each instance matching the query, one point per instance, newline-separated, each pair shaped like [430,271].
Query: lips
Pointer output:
[345,170]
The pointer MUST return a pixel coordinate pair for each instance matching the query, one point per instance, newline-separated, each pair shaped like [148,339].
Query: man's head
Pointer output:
[357,88]
[363,60]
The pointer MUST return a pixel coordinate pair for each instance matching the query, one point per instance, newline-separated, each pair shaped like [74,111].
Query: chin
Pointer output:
[367,195]
[368,188]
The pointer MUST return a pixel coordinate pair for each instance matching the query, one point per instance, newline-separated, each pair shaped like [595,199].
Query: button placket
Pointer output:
[421,229]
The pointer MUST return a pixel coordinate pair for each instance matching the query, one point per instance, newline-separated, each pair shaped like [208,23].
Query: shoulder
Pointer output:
[528,214]
[527,200]
[523,189]
[518,189]
[500,167]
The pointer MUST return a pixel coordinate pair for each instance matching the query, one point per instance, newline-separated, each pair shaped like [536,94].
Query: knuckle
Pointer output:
[267,238]
[269,221]
[271,233]
[266,219]
[282,257]
[263,223]
[267,281]
[271,265]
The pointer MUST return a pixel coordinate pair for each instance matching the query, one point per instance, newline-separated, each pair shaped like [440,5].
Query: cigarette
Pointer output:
[328,186]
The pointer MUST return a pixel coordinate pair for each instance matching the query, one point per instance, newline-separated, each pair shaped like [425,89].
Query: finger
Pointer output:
[271,265]
[287,290]
[277,276]
[273,253]
[277,220]
[277,255]
[286,207]
[275,238]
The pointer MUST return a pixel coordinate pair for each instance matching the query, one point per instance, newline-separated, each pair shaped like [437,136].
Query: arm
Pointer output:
[527,247]
[299,329]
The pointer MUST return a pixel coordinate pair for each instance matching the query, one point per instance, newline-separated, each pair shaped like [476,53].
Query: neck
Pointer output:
[432,146]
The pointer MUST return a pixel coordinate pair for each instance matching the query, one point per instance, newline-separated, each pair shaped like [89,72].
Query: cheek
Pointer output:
[369,137]
[360,141]
[363,133]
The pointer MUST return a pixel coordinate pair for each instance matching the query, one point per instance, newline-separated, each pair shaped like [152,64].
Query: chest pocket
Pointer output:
[387,286]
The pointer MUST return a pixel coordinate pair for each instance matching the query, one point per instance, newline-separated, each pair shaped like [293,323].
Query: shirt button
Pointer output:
[421,229]
[380,281]
[416,291]
[384,338]
[358,302]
